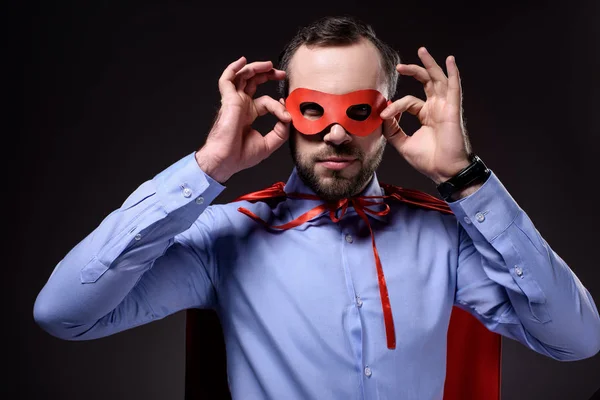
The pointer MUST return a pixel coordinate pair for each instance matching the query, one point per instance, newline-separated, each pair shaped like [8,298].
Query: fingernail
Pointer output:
[287,114]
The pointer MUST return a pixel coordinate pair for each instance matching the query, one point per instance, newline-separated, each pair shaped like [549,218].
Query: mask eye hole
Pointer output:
[359,112]
[311,110]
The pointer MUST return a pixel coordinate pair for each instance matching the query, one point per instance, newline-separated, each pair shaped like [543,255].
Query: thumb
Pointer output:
[394,134]
[278,135]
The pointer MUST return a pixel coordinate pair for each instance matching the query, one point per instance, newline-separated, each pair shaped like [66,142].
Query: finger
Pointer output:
[267,104]
[435,71]
[416,71]
[420,74]
[278,135]
[252,83]
[393,133]
[408,103]
[226,86]
[454,95]
[249,70]
[257,67]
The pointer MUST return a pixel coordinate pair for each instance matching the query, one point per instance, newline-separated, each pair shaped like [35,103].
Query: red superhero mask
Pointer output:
[357,112]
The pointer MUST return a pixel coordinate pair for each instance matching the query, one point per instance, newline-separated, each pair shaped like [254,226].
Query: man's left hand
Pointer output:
[440,148]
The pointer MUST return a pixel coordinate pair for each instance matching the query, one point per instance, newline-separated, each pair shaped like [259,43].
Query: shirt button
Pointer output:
[467,220]
[359,302]
[200,200]
[368,372]
[480,217]
[138,236]
[349,238]
[518,270]
[187,192]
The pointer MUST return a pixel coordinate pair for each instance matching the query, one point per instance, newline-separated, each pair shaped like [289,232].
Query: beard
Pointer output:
[337,186]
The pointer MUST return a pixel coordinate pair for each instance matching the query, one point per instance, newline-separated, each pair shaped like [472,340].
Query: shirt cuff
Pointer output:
[185,182]
[489,211]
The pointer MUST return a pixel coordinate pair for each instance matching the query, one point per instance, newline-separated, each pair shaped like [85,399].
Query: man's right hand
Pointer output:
[232,145]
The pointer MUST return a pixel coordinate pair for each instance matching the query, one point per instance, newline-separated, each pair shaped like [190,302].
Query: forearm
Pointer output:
[557,314]
[99,273]
[551,303]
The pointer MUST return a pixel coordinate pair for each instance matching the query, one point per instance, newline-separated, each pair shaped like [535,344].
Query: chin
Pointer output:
[332,180]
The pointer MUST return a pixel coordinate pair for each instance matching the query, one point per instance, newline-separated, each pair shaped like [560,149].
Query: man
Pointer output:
[328,287]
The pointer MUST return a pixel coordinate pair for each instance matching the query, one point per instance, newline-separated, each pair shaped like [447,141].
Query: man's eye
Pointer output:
[359,112]
[311,110]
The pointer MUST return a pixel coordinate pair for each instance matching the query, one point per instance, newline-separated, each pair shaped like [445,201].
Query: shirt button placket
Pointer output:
[359,302]
[519,271]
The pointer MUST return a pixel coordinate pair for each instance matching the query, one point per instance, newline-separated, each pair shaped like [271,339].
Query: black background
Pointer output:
[107,94]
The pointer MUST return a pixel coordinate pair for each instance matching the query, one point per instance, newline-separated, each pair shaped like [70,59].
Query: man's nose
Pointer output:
[337,135]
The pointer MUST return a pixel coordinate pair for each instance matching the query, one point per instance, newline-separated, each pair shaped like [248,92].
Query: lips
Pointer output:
[336,163]
[337,159]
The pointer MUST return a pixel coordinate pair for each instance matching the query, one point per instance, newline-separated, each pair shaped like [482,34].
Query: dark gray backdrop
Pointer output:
[110,94]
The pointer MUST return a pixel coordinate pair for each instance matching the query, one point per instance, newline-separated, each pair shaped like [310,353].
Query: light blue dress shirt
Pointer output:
[300,309]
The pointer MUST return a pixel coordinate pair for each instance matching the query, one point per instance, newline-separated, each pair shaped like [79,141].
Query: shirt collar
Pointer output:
[297,207]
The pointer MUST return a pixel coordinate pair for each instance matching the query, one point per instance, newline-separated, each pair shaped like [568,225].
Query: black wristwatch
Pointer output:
[474,173]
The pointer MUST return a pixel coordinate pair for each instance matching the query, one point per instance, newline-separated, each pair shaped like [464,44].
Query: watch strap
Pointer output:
[475,172]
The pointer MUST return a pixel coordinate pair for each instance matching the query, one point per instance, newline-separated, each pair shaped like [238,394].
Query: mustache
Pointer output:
[340,151]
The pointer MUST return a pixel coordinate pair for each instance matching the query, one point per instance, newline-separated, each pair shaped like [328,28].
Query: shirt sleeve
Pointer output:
[150,258]
[515,284]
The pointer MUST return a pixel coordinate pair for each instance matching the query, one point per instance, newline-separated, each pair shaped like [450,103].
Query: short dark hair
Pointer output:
[340,31]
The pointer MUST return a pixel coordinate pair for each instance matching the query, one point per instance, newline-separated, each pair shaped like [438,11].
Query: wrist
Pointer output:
[461,194]
[465,182]
[456,170]
[211,167]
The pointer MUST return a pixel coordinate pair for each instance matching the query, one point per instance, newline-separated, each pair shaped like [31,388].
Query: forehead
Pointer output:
[337,69]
